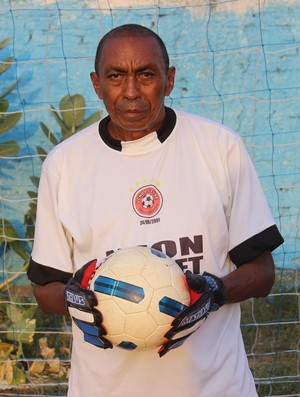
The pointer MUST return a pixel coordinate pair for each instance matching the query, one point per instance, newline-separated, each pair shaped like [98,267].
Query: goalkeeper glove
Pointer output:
[81,302]
[207,294]
[196,283]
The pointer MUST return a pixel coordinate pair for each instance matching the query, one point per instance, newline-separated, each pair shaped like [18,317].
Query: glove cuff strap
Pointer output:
[217,287]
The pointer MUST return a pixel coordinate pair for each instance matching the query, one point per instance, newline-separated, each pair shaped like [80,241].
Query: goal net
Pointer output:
[238,62]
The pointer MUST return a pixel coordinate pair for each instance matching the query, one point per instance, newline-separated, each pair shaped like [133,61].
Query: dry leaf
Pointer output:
[6,373]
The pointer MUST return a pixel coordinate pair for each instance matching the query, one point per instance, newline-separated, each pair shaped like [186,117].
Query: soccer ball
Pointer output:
[147,201]
[140,291]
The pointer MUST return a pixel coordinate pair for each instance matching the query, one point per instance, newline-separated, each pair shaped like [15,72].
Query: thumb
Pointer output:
[195,282]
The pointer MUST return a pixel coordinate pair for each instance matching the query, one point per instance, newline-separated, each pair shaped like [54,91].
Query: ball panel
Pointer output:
[157,338]
[127,345]
[157,273]
[166,317]
[140,325]
[127,261]
[120,289]
[170,306]
[129,342]
[113,317]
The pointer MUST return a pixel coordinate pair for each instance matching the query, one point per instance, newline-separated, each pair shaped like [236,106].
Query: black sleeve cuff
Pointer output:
[267,240]
[42,275]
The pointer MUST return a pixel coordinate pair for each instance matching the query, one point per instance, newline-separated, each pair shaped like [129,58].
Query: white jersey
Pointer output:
[207,210]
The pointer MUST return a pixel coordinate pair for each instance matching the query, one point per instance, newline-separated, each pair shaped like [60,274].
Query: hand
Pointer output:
[207,294]
[196,283]
[81,303]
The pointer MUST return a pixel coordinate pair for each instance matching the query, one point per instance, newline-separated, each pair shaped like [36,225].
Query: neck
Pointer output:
[120,134]
[126,135]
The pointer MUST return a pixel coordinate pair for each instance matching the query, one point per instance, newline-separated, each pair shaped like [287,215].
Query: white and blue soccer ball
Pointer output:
[140,291]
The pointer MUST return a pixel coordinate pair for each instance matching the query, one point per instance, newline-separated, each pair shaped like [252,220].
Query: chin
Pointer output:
[136,127]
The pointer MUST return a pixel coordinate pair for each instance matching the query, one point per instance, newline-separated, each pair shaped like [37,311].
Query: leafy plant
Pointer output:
[7,121]
[19,319]
[70,118]
[20,329]
[8,234]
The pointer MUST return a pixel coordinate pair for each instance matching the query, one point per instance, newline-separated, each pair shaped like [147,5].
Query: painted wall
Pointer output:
[237,63]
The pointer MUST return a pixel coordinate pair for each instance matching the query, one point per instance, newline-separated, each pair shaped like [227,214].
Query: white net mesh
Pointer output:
[237,63]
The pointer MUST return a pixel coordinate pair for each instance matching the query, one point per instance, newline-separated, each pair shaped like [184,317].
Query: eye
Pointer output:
[146,75]
[115,76]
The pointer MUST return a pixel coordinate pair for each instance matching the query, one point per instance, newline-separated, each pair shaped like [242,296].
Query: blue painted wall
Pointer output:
[239,68]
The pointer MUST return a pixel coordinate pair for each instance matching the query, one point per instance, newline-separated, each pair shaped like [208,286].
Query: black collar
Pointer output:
[162,133]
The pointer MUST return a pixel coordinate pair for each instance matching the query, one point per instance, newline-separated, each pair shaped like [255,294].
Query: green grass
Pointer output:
[271,330]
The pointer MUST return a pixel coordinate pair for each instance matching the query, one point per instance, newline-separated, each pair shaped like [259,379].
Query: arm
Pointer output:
[76,300]
[51,297]
[251,280]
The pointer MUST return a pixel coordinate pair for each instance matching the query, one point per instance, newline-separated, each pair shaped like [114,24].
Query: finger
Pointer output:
[170,345]
[87,317]
[195,282]
[178,334]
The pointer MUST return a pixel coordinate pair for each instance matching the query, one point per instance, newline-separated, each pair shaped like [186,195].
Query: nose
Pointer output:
[131,88]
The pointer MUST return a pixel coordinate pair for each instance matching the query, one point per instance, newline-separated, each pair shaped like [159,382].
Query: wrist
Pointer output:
[217,287]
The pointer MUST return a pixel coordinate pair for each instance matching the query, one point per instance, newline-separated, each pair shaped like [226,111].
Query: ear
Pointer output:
[96,84]
[170,80]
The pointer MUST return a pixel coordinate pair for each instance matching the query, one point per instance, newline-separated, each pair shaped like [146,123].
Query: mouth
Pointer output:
[133,113]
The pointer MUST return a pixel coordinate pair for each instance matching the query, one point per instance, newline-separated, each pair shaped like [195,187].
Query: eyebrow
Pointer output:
[137,70]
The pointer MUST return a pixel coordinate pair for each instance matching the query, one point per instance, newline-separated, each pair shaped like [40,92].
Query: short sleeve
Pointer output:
[252,229]
[52,243]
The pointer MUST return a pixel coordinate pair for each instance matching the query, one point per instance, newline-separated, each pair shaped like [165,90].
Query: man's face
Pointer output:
[132,82]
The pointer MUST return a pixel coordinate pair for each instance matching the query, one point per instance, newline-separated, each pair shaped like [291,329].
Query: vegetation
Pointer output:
[271,340]
[271,330]
[29,353]
[7,120]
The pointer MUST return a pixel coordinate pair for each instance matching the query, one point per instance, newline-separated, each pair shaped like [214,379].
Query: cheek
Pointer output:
[157,98]
[109,97]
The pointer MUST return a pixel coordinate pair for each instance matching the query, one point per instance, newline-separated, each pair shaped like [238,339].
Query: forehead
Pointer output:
[131,50]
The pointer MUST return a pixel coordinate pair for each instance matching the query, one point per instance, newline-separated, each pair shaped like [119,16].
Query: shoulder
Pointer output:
[205,131]
[76,145]
[77,139]
[203,124]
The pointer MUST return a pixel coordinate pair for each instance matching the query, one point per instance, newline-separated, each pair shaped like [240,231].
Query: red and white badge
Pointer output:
[147,201]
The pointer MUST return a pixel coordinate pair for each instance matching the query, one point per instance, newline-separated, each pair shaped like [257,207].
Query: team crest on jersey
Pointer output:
[147,201]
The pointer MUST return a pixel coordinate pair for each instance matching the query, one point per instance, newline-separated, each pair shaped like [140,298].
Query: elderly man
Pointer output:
[210,215]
